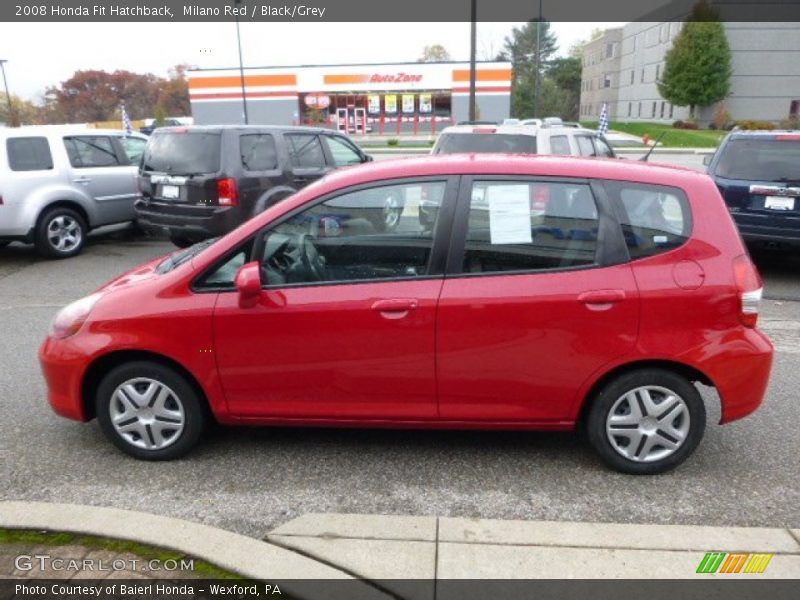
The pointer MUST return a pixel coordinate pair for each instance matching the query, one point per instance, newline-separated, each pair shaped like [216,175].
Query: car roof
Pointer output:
[521,129]
[514,164]
[746,133]
[220,128]
[45,130]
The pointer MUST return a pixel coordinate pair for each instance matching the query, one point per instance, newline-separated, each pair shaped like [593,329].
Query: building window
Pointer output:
[632,76]
[642,79]
[640,110]
[630,108]
[607,81]
[663,104]
[654,110]
[611,50]
[671,107]
[658,72]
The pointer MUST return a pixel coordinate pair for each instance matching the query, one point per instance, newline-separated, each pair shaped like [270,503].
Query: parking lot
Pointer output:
[250,480]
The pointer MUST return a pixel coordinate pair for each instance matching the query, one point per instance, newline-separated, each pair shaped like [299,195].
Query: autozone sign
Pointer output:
[396,78]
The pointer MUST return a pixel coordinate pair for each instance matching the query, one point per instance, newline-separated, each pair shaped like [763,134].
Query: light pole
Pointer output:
[11,120]
[538,61]
[241,67]
[472,39]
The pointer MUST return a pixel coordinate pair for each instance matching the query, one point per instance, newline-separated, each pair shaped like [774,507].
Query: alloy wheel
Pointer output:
[64,233]
[147,414]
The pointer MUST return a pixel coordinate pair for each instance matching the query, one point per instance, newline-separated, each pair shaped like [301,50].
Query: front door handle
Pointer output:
[601,298]
[82,180]
[395,308]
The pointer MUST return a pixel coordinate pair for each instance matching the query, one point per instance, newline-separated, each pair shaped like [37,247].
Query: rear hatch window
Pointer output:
[485,142]
[183,153]
[775,159]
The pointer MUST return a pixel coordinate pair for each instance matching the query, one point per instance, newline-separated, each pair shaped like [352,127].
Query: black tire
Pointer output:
[181,415]
[4,244]
[182,241]
[388,218]
[675,429]
[60,233]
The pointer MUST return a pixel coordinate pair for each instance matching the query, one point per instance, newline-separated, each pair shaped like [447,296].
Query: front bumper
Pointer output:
[63,366]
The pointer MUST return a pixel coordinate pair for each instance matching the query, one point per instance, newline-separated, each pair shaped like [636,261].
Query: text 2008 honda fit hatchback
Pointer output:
[538,293]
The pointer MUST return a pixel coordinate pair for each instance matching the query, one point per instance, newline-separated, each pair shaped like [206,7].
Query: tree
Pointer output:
[565,73]
[434,53]
[697,70]
[521,50]
[23,112]
[173,93]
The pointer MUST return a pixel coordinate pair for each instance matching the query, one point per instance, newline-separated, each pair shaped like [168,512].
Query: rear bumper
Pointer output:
[195,221]
[765,228]
[740,371]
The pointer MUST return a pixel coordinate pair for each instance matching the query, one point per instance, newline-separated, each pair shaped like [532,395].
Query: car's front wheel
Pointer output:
[646,421]
[150,411]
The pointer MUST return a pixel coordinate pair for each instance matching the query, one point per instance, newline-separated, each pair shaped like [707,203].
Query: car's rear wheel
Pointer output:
[150,411]
[391,209]
[4,244]
[182,241]
[61,233]
[646,421]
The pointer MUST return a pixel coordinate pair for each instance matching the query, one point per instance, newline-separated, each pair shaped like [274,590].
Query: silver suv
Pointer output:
[57,183]
[549,137]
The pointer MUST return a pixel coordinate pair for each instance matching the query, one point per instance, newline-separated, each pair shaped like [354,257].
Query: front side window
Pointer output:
[530,226]
[378,233]
[133,148]
[655,218]
[29,154]
[258,152]
[343,153]
[305,150]
[91,151]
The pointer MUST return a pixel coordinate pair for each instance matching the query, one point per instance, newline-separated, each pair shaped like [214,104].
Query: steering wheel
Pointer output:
[297,259]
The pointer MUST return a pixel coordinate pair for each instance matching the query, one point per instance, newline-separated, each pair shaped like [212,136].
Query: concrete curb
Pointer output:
[250,558]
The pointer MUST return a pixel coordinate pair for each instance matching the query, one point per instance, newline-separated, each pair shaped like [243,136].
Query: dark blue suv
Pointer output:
[758,175]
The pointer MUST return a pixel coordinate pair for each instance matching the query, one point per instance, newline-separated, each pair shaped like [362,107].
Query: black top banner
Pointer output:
[388,10]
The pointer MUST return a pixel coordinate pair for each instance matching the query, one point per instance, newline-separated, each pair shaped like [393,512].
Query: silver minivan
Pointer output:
[57,183]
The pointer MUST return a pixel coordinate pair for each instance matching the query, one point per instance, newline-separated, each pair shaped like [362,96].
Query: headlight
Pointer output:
[69,319]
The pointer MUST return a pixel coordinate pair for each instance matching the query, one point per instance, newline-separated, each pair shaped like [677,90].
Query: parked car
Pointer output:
[59,183]
[200,182]
[525,138]
[150,124]
[579,293]
[758,175]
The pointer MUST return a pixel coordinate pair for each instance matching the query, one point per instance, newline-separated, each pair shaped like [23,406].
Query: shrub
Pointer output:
[792,122]
[755,124]
[393,142]
[686,125]
[722,116]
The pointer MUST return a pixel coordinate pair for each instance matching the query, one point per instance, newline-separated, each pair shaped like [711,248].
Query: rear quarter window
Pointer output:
[29,154]
[654,218]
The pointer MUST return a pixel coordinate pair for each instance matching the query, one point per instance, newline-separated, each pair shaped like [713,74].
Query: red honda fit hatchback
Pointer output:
[514,293]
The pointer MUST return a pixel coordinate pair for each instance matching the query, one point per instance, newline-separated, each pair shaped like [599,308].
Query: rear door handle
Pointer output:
[82,180]
[602,297]
[395,307]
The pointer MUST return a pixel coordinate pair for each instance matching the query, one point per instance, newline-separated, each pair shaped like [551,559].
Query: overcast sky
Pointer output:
[43,54]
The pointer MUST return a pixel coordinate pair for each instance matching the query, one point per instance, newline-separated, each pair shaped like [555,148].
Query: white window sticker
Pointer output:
[509,214]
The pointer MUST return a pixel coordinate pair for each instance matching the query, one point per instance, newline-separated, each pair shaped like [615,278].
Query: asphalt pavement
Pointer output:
[252,480]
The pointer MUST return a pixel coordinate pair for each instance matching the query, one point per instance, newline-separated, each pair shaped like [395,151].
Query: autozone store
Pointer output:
[379,99]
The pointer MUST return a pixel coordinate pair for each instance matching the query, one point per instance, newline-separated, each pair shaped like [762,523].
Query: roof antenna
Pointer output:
[653,147]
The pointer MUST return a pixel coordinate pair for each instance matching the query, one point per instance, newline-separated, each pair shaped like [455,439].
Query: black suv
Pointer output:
[758,175]
[202,182]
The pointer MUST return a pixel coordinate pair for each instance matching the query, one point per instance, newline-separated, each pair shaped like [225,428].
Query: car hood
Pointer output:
[134,276]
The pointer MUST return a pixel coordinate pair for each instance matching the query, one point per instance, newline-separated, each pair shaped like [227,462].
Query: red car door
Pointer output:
[540,299]
[345,324]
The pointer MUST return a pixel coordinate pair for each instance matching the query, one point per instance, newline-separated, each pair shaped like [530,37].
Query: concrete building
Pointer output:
[390,99]
[765,83]
[600,75]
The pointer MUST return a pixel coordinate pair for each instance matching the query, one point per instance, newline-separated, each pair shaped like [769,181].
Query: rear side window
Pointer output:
[258,152]
[305,150]
[530,226]
[585,145]
[183,152]
[654,218]
[485,142]
[29,154]
[91,151]
[559,144]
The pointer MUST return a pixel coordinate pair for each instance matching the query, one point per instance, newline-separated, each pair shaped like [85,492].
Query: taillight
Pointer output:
[750,287]
[227,192]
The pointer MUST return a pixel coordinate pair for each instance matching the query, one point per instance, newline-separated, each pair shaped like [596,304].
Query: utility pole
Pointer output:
[11,120]
[241,67]
[472,43]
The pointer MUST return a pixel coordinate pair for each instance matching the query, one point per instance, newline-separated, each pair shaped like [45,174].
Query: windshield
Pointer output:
[761,160]
[179,257]
[485,142]
[182,153]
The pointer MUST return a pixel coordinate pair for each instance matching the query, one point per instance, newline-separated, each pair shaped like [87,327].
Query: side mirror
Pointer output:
[248,282]
[707,159]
